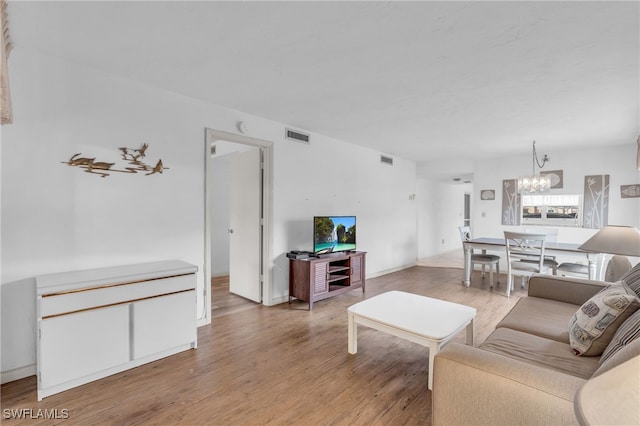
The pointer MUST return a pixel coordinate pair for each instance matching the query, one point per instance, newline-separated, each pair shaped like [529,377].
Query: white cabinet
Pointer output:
[99,322]
[162,322]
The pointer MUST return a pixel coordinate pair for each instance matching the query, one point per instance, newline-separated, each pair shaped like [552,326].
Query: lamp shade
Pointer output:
[612,397]
[614,239]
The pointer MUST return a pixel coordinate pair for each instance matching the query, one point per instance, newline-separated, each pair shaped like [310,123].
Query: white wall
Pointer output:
[617,161]
[440,213]
[57,218]
[436,197]
[328,177]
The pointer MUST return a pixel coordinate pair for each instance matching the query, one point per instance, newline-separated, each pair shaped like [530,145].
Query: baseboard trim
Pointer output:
[277,301]
[17,373]
[389,271]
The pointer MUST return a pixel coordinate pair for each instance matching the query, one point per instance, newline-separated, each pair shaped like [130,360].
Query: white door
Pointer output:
[245,239]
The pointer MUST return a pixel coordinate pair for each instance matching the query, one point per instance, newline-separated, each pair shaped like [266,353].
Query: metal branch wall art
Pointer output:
[132,156]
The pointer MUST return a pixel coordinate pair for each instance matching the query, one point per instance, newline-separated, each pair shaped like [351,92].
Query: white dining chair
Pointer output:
[552,237]
[483,259]
[617,266]
[571,269]
[525,256]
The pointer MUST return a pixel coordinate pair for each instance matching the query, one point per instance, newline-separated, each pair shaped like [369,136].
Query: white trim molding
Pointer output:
[17,373]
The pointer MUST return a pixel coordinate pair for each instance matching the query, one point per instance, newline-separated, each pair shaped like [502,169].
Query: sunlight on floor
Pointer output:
[449,259]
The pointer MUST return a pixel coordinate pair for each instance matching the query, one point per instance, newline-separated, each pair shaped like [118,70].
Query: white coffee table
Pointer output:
[424,320]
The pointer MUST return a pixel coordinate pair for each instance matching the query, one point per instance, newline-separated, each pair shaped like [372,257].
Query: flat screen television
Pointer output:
[334,233]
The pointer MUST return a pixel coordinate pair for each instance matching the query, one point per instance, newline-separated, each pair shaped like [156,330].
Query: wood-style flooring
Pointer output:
[225,303]
[280,365]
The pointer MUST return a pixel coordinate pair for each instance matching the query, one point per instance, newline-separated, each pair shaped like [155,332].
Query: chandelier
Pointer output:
[535,183]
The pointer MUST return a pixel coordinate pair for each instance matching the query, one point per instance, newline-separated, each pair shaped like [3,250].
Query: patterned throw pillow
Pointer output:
[632,279]
[626,333]
[592,327]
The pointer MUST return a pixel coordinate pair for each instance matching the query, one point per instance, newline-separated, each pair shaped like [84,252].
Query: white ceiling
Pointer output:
[426,81]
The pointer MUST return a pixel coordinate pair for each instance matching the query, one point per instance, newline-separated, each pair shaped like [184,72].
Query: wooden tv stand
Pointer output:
[318,278]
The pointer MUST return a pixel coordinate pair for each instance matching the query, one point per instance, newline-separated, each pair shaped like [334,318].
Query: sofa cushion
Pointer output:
[594,324]
[539,351]
[564,289]
[632,279]
[626,333]
[541,317]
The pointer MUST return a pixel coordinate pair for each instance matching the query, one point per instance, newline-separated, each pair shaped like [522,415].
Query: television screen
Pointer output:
[334,233]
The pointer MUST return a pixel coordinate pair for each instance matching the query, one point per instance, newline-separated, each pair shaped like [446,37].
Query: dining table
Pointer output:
[551,248]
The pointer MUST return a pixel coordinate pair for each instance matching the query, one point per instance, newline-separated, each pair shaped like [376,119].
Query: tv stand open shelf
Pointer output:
[318,278]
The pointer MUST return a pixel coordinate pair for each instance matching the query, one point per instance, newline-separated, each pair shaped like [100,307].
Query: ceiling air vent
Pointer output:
[297,136]
[386,160]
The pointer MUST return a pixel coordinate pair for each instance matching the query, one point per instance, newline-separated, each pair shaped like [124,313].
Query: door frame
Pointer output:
[212,136]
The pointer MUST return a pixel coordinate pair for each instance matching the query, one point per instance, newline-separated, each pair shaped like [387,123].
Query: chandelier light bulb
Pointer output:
[535,183]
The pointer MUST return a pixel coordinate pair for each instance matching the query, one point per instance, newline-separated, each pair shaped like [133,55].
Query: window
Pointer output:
[547,209]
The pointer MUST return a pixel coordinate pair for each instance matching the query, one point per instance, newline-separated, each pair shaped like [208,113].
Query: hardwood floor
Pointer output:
[279,365]
[225,303]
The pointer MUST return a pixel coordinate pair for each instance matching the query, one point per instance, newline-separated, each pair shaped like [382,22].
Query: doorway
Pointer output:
[467,210]
[237,222]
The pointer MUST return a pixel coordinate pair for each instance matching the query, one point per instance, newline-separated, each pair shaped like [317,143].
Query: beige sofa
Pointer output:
[525,372]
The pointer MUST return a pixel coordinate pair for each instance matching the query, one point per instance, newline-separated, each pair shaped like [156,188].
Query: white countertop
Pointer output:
[67,281]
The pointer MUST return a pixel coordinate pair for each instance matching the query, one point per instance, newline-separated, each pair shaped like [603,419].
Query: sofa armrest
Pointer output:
[564,289]
[473,386]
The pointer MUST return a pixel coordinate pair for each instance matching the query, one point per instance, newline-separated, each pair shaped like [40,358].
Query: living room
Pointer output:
[58,218]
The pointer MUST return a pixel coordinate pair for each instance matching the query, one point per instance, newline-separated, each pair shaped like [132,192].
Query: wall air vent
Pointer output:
[294,135]
[386,160]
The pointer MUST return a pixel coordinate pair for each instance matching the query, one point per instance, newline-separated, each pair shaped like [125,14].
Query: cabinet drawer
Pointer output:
[64,303]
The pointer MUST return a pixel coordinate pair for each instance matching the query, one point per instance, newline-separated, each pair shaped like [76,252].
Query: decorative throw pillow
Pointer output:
[632,279]
[626,333]
[592,327]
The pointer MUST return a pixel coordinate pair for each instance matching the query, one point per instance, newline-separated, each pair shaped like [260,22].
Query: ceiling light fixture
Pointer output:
[533,183]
